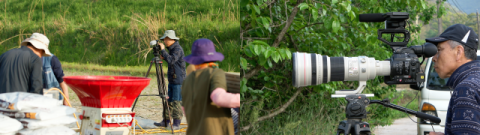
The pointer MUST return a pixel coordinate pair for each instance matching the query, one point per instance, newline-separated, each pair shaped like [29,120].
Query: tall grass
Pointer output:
[321,117]
[118,32]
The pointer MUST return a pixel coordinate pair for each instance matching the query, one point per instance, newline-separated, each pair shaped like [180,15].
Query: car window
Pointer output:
[435,82]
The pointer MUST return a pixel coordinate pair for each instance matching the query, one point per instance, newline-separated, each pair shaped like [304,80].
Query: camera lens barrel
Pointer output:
[313,69]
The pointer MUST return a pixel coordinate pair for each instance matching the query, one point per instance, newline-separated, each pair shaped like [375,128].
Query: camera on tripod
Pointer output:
[402,68]
[156,47]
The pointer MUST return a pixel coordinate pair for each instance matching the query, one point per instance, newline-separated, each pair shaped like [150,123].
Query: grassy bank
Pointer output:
[118,32]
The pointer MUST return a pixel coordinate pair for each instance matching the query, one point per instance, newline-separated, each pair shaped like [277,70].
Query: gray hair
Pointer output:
[470,53]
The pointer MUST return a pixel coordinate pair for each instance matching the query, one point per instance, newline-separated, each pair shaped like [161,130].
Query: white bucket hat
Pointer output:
[170,34]
[39,41]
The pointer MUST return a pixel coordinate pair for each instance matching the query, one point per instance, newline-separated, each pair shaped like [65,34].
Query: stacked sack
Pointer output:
[38,115]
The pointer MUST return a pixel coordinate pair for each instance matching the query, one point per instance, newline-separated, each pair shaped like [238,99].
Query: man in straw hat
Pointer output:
[21,68]
[176,75]
[205,98]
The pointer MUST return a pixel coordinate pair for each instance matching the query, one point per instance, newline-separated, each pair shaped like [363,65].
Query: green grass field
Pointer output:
[118,32]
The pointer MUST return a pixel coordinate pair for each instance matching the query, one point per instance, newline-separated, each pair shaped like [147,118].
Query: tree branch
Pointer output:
[252,72]
[287,26]
[252,38]
[282,109]
[279,38]
[308,25]
[293,42]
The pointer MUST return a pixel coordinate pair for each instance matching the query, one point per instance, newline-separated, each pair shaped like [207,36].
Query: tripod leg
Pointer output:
[162,90]
[135,103]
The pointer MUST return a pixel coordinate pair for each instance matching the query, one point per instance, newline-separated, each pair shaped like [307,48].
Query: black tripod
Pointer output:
[356,111]
[162,90]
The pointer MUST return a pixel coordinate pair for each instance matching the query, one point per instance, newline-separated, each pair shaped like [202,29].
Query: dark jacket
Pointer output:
[176,64]
[21,71]
[464,107]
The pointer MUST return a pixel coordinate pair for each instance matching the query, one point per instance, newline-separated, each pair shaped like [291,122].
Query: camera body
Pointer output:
[156,47]
[405,68]
[404,63]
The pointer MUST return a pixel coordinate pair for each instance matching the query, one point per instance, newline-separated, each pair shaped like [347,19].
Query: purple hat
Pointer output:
[203,51]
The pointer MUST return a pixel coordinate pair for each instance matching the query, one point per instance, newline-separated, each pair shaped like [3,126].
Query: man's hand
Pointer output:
[436,133]
[161,57]
[162,46]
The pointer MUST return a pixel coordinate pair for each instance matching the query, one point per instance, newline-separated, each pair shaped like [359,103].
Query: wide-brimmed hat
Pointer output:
[460,33]
[170,34]
[203,51]
[38,41]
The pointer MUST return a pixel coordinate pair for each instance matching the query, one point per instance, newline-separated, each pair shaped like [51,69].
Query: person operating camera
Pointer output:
[176,74]
[457,51]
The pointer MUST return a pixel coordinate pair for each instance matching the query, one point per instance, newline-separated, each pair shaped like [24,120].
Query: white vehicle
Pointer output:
[434,100]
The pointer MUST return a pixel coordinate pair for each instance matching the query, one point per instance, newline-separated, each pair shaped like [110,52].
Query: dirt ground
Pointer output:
[403,126]
[148,107]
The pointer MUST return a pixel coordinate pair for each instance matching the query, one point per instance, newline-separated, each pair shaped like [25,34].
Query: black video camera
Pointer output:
[405,66]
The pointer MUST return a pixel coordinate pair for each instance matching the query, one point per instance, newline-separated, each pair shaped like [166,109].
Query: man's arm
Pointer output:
[221,98]
[176,54]
[64,87]
[36,78]
[465,110]
[57,69]
[58,72]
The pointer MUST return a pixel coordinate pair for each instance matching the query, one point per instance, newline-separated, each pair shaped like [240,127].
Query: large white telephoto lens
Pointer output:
[313,69]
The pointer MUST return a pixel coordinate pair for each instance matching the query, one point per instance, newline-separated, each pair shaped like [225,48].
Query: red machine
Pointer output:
[106,102]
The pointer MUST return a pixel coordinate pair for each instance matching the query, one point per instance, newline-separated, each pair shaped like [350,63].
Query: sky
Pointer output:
[468,6]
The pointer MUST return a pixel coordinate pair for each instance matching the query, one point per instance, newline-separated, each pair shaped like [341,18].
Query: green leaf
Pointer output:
[349,7]
[283,53]
[352,15]
[261,49]
[243,85]
[303,6]
[289,54]
[267,53]
[252,49]
[335,26]
[256,49]
[314,13]
[248,52]
[334,1]
[324,10]
[269,62]
[266,78]
[265,22]
[259,42]
[423,4]
[276,56]
[243,63]
[256,9]
[262,60]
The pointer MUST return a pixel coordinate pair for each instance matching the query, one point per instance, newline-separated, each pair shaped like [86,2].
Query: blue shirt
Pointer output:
[176,64]
[463,114]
